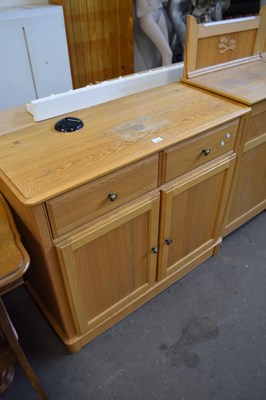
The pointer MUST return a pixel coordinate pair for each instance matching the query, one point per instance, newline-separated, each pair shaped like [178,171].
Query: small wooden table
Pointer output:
[14,262]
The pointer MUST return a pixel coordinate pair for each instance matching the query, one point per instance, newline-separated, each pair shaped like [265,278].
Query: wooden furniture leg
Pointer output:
[14,262]
[7,358]
[10,336]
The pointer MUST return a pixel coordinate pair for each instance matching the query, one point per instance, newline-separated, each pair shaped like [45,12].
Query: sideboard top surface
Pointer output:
[245,82]
[38,163]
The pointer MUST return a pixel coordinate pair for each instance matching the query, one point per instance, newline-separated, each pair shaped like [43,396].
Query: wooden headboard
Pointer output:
[215,44]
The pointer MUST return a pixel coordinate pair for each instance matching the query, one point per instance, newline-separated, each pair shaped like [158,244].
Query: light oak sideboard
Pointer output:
[116,212]
[230,59]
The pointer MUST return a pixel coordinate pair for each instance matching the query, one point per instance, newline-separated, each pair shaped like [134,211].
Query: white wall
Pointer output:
[19,3]
[262,3]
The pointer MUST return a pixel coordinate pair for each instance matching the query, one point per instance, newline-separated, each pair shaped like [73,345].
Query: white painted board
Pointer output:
[89,96]
[34,55]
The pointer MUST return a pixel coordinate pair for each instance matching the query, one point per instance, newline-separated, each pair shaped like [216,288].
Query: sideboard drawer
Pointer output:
[81,205]
[192,153]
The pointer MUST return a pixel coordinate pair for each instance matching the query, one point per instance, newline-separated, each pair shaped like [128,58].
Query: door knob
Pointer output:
[168,241]
[206,152]
[112,196]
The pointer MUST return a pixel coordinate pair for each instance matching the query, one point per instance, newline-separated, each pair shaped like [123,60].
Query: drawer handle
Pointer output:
[112,196]
[155,250]
[206,152]
[168,241]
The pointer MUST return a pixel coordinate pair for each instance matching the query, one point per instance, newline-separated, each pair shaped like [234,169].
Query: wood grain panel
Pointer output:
[244,48]
[257,125]
[15,119]
[223,42]
[100,39]
[42,163]
[245,83]
[250,189]
[188,155]
[73,209]
[191,214]
[44,276]
[194,216]
[14,260]
[111,264]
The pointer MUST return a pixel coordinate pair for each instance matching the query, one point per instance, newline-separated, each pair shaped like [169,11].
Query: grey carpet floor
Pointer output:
[204,338]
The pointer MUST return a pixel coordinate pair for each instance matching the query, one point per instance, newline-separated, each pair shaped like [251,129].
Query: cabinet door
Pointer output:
[192,211]
[250,190]
[109,265]
[249,187]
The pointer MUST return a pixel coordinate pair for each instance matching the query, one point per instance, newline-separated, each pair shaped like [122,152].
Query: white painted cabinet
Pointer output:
[34,55]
